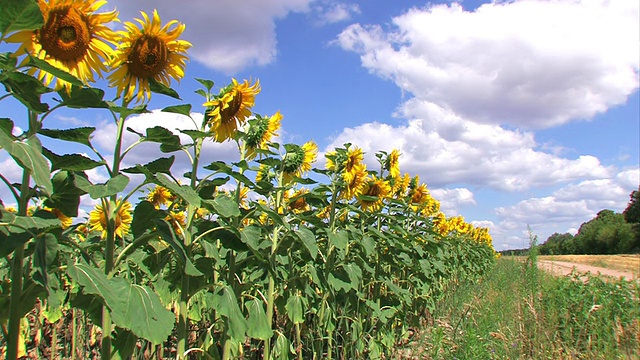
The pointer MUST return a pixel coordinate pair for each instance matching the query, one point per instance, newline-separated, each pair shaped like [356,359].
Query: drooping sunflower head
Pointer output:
[373,195]
[98,218]
[298,159]
[231,109]
[160,196]
[419,194]
[260,132]
[74,38]
[178,220]
[391,163]
[264,173]
[151,52]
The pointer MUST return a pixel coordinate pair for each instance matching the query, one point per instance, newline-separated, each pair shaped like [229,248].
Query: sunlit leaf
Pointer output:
[20,15]
[29,156]
[259,327]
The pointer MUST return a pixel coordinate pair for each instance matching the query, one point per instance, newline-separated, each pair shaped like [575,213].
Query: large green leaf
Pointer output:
[184,109]
[71,162]
[339,239]
[162,165]
[112,187]
[20,15]
[133,307]
[83,97]
[294,309]
[160,88]
[143,216]
[26,89]
[80,135]
[309,240]
[227,306]
[168,141]
[29,156]
[66,195]
[164,229]
[225,206]
[259,328]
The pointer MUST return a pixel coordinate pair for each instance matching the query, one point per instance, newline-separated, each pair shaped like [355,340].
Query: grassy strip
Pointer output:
[519,312]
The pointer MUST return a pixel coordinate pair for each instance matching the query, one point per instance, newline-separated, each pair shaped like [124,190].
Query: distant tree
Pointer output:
[632,212]
[607,233]
[555,244]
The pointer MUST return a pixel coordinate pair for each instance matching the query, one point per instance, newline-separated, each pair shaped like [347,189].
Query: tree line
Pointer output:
[608,233]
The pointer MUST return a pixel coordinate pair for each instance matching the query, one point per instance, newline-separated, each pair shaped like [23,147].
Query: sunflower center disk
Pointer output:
[66,34]
[149,57]
[234,106]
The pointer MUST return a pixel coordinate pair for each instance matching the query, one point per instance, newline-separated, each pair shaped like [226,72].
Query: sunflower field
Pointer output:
[268,257]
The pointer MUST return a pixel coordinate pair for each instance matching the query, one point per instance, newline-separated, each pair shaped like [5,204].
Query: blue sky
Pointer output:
[515,114]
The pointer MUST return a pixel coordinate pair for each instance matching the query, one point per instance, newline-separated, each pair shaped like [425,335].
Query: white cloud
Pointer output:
[449,150]
[451,200]
[528,63]
[336,12]
[568,207]
[227,35]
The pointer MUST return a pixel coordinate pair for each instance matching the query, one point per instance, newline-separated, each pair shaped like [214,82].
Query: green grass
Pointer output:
[519,312]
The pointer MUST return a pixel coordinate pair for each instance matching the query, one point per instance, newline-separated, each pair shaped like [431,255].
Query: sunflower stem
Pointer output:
[17,269]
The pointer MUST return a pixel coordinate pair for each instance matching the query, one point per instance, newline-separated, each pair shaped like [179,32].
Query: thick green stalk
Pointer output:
[183,320]
[15,301]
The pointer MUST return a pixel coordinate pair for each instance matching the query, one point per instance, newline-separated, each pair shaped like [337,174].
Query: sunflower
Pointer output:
[178,220]
[231,109]
[149,53]
[356,183]
[298,159]
[391,163]
[373,194]
[331,157]
[261,131]
[98,219]
[353,163]
[297,201]
[419,195]
[65,221]
[400,185]
[160,195]
[73,38]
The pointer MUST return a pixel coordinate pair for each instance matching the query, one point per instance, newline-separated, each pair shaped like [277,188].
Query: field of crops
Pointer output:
[274,256]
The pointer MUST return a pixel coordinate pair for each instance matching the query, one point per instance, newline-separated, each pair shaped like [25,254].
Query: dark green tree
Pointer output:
[555,244]
[632,212]
[607,233]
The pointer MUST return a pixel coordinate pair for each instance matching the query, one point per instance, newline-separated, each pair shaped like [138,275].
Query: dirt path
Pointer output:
[565,268]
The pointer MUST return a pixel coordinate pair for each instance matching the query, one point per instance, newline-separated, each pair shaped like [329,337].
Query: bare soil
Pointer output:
[565,268]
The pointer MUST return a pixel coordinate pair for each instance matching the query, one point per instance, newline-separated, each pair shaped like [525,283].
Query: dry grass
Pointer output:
[629,262]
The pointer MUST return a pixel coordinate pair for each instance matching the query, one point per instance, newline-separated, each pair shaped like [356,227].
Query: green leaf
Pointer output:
[339,239]
[71,162]
[7,60]
[124,343]
[168,141]
[79,135]
[66,196]
[164,229]
[133,307]
[294,309]
[227,306]
[112,187]
[282,348]
[162,165]
[225,206]
[208,84]
[160,88]
[27,90]
[259,328]
[125,112]
[143,216]
[183,191]
[251,235]
[60,74]
[29,156]
[20,15]
[196,134]
[83,97]
[308,238]
[184,109]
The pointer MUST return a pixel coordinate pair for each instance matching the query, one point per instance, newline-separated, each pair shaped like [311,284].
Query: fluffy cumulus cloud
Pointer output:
[227,35]
[528,63]
[446,152]
[568,207]
[451,200]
